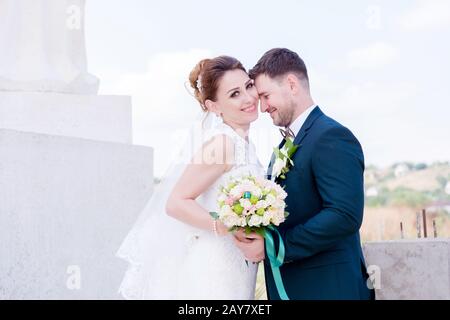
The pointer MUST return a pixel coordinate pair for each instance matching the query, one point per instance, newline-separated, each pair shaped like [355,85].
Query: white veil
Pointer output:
[157,244]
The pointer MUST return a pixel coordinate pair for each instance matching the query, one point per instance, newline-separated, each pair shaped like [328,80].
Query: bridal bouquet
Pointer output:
[257,205]
[251,203]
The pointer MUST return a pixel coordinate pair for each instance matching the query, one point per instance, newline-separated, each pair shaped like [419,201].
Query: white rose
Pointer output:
[273,212]
[245,203]
[279,204]
[225,211]
[261,182]
[281,194]
[256,191]
[247,185]
[230,221]
[255,221]
[261,204]
[275,221]
[252,210]
[266,218]
[278,217]
[277,167]
[222,197]
[236,192]
[270,199]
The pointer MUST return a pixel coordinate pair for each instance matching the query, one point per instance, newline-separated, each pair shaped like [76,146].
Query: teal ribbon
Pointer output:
[276,260]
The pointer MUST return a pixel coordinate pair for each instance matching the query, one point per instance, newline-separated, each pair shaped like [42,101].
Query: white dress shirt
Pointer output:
[297,124]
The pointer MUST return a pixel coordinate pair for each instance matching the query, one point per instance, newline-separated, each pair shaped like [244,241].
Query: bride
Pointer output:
[176,250]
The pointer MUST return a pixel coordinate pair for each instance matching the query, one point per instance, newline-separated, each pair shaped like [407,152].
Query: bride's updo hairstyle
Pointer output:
[206,75]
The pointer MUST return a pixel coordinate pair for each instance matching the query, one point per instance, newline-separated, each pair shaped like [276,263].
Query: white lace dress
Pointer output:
[212,267]
[215,267]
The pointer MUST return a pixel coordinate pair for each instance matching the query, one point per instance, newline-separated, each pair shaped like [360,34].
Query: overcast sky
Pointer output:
[381,68]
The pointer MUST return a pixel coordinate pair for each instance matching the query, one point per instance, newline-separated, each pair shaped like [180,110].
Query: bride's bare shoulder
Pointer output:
[218,150]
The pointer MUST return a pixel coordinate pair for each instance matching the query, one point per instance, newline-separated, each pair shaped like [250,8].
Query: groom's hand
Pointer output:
[252,247]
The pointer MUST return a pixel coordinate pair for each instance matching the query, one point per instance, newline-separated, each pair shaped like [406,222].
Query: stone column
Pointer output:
[43,47]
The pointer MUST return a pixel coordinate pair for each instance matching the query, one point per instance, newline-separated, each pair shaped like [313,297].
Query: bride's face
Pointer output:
[237,98]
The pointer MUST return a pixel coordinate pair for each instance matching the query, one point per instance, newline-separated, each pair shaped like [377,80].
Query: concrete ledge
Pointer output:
[104,118]
[410,269]
[65,206]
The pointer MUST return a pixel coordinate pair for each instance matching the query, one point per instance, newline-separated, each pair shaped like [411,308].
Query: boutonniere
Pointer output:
[283,159]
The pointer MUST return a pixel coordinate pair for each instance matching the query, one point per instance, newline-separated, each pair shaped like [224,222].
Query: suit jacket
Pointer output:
[325,187]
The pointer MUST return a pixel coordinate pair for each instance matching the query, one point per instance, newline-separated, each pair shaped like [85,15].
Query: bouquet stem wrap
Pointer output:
[257,205]
[276,260]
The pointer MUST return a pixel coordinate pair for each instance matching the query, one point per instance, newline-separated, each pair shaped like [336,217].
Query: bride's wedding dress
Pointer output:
[169,259]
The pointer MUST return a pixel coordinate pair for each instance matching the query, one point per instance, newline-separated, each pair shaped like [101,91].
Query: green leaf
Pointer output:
[231,185]
[260,212]
[289,143]
[215,215]
[254,199]
[238,208]
[261,232]
[292,151]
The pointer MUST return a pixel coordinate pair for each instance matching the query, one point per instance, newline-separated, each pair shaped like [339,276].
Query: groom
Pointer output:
[323,256]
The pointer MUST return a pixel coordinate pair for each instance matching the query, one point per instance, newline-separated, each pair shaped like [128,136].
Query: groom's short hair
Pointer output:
[279,61]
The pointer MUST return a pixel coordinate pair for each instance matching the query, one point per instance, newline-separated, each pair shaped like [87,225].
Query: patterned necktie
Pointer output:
[287,133]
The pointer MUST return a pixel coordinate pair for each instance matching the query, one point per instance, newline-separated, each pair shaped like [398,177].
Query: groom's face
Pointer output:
[275,99]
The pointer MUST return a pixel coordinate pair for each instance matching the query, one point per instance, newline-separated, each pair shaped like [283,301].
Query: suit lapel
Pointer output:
[316,113]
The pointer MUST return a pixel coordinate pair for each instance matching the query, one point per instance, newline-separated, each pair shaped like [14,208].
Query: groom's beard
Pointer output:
[287,116]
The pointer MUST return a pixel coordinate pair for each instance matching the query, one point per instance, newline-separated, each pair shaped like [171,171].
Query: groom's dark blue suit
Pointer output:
[324,259]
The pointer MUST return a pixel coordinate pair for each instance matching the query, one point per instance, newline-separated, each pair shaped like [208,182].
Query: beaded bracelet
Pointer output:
[215,227]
